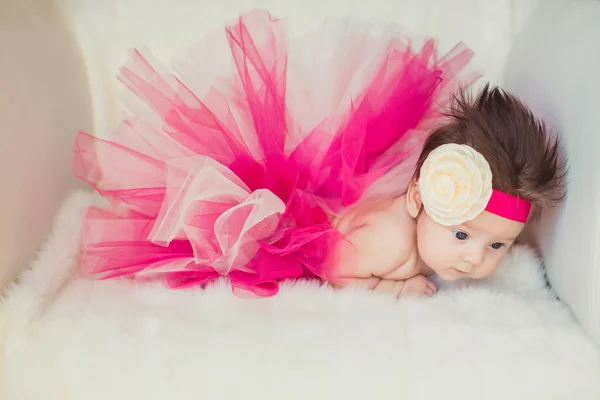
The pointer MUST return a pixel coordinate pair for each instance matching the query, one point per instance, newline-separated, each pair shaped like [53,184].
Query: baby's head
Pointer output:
[481,176]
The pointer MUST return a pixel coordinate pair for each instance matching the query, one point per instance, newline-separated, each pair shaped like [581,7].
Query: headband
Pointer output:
[455,183]
[507,206]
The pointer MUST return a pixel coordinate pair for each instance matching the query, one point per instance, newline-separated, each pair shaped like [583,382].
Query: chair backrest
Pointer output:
[554,68]
[44,101]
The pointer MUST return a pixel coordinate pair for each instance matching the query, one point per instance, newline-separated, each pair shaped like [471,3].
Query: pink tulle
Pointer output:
[207,187]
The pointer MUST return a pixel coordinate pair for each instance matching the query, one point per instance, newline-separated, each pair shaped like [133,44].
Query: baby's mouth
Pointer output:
[459,272]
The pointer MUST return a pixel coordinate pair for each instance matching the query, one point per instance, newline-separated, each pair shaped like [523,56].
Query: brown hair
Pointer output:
[525,160]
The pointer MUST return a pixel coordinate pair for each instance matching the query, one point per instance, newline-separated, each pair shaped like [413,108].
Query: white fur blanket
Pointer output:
[66,338]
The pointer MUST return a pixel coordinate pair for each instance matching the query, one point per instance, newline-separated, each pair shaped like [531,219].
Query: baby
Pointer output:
[239,181]
[480,177]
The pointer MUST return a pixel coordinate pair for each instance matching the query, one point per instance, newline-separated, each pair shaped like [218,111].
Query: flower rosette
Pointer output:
[455,183]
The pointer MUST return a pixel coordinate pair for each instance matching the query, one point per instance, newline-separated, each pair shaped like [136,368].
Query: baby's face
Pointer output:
[471,250]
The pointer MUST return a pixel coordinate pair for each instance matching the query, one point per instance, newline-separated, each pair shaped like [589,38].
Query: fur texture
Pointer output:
[64,337]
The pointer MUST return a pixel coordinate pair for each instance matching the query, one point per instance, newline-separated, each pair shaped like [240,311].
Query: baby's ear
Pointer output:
[413,199]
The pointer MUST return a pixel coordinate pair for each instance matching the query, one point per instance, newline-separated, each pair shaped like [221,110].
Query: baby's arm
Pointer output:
[381,247]
[418,285]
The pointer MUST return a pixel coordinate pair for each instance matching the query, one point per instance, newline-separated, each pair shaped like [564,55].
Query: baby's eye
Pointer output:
[497,245]
[460,235]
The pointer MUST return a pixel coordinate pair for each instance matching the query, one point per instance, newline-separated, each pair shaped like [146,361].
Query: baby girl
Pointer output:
[240,181]
[479,179]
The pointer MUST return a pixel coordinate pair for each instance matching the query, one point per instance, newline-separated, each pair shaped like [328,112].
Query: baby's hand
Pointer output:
[418,285]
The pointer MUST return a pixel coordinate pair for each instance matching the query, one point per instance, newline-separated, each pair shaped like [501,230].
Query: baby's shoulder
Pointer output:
[383,236]
[392,231]
[394,216]
[383,221]
[393,223]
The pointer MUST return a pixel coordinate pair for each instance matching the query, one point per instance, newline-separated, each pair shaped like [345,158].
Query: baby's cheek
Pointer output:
[430,251]
[486,270]
[434,244]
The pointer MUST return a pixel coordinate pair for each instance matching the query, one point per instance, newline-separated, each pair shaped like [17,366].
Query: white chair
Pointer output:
[62,337]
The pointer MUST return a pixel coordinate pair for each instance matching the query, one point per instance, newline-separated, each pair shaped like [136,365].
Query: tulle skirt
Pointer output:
[233,164]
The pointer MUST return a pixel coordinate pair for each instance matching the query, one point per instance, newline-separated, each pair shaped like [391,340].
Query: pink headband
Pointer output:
[507,206]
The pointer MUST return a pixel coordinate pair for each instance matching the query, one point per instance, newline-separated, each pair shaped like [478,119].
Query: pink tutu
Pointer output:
[236,170]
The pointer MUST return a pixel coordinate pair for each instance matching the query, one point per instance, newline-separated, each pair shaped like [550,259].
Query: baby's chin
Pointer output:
[449,275]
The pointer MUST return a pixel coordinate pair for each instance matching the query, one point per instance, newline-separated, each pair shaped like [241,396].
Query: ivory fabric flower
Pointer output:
[455,184]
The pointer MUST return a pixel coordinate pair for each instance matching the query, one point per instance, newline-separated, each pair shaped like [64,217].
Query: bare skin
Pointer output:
[385,232]
[394,246]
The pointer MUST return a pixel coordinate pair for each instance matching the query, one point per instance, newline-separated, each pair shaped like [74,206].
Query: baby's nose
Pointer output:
[475,256]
